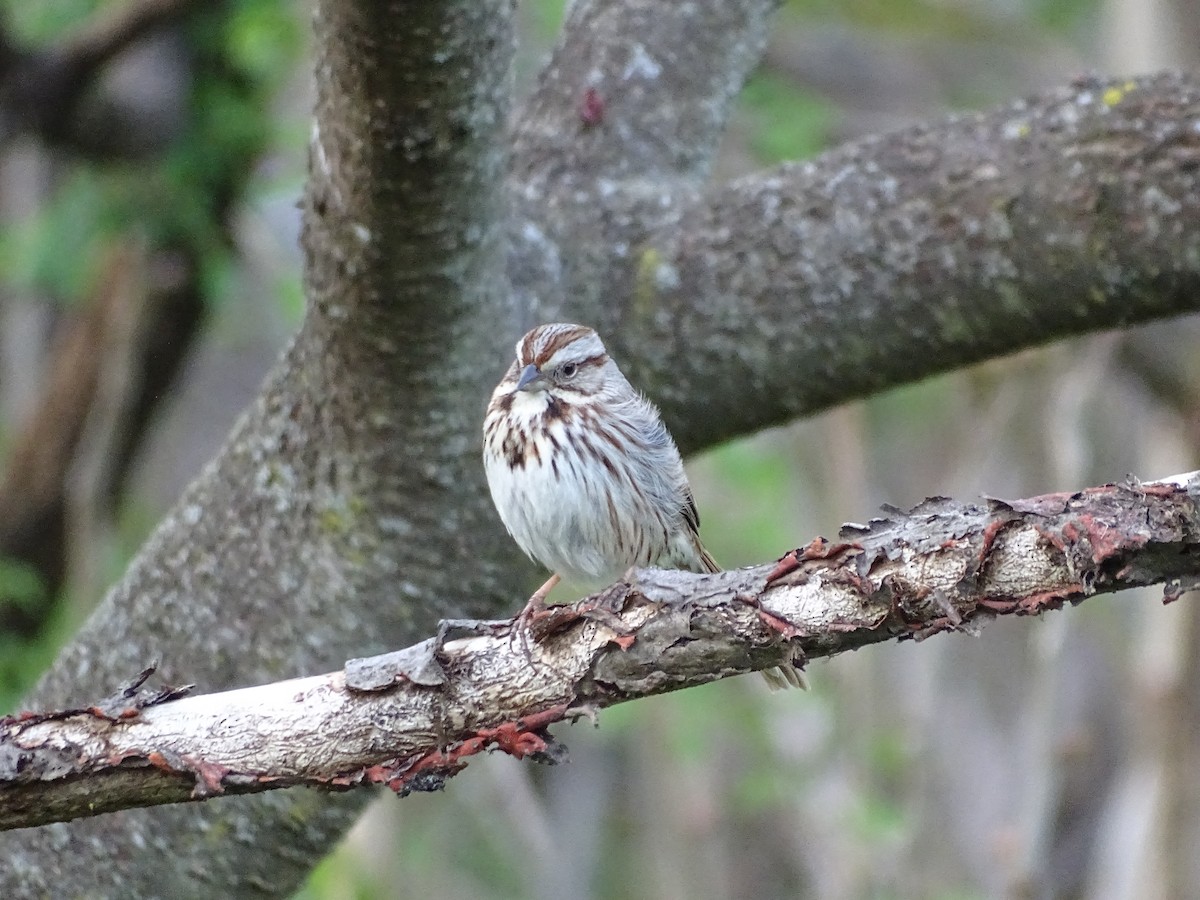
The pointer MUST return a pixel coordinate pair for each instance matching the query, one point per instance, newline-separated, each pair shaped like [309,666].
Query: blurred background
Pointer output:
[150,275]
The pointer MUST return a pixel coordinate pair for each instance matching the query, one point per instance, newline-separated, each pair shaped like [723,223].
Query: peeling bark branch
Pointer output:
[411,719]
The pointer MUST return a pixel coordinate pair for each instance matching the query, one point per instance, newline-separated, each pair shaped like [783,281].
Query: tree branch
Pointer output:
[883,261]
[348,506]
[598,110]
[411,719]
[632,105]
[910,254]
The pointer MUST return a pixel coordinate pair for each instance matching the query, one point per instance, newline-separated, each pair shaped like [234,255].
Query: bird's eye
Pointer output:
[569,370]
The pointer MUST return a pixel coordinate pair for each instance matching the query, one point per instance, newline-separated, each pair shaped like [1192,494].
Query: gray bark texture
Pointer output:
[347,512]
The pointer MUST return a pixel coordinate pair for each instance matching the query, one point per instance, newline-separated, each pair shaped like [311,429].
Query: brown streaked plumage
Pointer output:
[576,442]
[582,470]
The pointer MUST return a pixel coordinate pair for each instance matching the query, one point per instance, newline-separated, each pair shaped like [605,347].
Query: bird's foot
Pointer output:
[535,608]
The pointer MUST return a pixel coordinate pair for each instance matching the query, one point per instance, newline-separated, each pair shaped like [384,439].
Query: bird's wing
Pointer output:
[690,513]
[692,516]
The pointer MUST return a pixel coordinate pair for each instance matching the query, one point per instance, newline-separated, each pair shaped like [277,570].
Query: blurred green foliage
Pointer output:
[22,583]
[41,23]
[236,57]
[939,17]
[55,252]
[786,121]
[545,18]
[239,55]
[20,659]
[336,878]
[263,40]
[754,473]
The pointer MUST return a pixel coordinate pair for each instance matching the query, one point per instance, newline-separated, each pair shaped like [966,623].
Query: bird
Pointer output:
[583,473]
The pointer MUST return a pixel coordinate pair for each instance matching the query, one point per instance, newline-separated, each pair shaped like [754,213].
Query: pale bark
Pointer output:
[412,719]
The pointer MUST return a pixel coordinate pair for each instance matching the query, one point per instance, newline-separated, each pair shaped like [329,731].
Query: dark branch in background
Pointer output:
[411,719]
[33,486]
[40,89]
[101,362]
[94,376]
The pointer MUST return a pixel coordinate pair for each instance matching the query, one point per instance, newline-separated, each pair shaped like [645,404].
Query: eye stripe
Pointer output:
[593,361]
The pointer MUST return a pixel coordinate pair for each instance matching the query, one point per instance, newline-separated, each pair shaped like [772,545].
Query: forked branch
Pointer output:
[411,719]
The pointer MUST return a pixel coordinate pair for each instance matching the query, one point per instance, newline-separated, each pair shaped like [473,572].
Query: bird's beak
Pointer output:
[530,377]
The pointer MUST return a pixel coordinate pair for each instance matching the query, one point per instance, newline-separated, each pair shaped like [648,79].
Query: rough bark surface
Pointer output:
[888,259]
[350,491]
[412,718]
[347,511]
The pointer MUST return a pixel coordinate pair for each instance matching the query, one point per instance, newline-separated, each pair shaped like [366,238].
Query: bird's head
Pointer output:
[561,360]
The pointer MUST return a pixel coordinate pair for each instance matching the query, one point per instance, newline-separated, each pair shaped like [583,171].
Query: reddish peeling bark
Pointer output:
[940,567]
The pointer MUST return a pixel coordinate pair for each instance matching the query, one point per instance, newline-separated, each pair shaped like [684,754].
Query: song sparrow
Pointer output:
[582,470]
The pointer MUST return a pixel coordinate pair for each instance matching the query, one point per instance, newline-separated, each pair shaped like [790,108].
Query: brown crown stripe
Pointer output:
[539,345]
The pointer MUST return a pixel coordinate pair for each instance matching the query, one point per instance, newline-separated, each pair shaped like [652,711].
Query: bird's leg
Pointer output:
[537,602]
[535,605]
